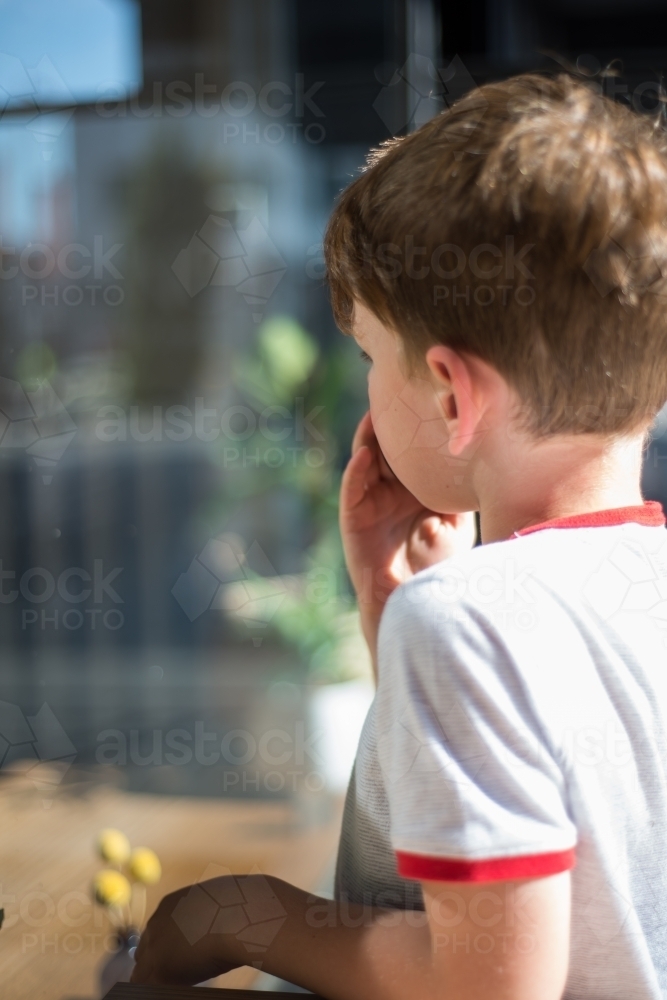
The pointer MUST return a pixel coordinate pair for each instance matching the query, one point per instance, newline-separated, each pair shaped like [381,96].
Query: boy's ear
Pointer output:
[459,394]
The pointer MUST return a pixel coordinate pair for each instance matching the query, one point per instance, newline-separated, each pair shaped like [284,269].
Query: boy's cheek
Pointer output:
[395,430]
[406,423]
[439,482]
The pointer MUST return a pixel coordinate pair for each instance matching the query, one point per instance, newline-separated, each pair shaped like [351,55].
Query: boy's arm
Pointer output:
[493,941]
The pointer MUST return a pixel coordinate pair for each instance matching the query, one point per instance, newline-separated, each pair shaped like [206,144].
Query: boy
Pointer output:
[502,270]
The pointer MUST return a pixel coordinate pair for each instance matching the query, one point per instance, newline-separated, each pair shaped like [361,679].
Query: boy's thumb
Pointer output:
[429,528]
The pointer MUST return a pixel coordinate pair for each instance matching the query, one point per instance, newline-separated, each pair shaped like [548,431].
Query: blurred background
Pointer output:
[176,405]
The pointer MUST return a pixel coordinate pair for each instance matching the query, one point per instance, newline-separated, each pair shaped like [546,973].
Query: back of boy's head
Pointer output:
[526,225]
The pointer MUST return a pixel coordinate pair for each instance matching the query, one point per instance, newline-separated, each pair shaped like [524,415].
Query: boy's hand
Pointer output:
[165,955]
[388,535]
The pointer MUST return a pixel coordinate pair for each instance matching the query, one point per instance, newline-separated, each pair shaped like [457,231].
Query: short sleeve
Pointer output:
[475,791]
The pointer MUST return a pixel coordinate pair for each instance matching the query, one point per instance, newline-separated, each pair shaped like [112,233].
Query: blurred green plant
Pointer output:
[36,363]
[321,621]
[284,358]
[317,617]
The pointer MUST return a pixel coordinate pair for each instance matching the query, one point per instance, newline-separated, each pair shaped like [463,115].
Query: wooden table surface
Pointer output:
[53,938]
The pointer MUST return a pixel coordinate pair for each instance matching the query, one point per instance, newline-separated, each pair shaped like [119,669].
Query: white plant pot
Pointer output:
[337,714]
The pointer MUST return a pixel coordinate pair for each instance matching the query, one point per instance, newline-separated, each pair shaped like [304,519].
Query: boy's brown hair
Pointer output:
[526,225]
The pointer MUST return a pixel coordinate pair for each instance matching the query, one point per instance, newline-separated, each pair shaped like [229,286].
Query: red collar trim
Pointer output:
[650,513]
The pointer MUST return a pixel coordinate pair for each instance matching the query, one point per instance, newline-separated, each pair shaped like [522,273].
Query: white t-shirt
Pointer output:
[520,729]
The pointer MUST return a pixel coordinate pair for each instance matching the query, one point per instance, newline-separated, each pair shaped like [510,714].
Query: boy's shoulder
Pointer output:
[485,577]
[543,555]
[527,588]
[514,628]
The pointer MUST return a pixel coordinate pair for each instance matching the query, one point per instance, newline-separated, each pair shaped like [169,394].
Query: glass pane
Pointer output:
[68,51]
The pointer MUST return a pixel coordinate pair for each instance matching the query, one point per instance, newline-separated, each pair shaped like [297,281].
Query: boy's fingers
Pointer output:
[386,472]
[429,527]
[361,473]
[364,434]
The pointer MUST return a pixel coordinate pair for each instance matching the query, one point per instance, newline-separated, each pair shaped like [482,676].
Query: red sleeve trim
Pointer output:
[650,513]
[419,866]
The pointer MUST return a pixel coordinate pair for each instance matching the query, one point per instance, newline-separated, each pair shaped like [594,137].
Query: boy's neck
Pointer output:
[555,478]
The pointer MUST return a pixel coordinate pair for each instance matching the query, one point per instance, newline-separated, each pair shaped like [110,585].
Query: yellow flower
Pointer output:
[113,846]
[111,888]
[145,866]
